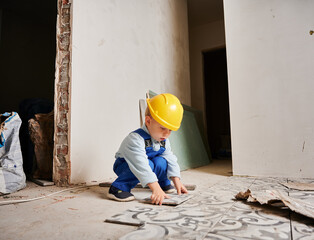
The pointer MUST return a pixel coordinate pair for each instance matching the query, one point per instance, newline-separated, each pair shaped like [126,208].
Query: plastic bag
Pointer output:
[12,176]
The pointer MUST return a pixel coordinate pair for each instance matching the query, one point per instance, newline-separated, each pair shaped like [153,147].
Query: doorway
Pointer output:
[27,64]
[217,102]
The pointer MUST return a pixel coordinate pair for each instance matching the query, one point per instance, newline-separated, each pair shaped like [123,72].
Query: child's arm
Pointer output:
[178,185]
[173,169]
[158,194]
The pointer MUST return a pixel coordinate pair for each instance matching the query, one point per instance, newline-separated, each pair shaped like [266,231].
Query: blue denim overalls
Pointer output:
[126,179]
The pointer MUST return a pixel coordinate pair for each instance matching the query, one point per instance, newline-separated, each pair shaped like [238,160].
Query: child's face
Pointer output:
[156,130]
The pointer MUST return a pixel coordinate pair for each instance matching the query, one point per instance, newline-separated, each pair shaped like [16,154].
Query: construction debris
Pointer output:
[42,182]
[41,133]
[274,196]
[12,176]
[299,186]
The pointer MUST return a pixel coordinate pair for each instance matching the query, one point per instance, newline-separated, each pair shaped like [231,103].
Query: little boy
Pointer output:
[145,155]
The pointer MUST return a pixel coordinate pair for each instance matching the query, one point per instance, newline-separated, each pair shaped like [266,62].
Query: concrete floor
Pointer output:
[80,213]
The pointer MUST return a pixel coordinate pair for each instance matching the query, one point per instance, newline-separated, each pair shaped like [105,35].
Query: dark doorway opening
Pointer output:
[217,103]
[28,51]
[27,64]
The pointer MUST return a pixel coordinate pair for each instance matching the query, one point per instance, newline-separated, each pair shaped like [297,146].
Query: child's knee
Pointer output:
[160,163]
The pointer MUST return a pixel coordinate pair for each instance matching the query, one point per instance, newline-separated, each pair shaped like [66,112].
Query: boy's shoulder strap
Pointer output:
[143,134]
[146,136]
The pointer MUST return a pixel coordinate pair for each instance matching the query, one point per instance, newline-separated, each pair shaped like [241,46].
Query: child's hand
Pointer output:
[158,194]
[179,186]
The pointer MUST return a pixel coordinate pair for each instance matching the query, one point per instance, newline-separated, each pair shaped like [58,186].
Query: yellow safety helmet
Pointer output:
[167,110]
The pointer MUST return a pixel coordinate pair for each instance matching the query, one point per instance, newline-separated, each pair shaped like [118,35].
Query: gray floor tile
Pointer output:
[174,199]
[214,236]
[215,214]
[136,216]
[269,183]
[156,232]
[253,221]
[302,227]
[307,196]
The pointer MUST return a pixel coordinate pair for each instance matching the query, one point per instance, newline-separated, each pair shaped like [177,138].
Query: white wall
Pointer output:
[270,70]
[202,38]
[120,50]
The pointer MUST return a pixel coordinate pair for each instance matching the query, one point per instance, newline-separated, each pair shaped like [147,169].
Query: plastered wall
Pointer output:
[270,71]
[120,49]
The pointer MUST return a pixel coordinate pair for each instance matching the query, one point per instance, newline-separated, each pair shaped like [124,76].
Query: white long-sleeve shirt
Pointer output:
[132,149]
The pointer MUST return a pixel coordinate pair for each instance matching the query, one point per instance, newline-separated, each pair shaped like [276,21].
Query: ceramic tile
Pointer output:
[143,195]
[156,232]
[146,232]
[307,196]
[193,218]
[214,214]
[217,202]
[166,224]
[301,186]
[253,222]
[302,227]
[268,184]
[301,180]
[214,236]
[233,184]
[188,220]
[136,216]
[226,190]
[174,199]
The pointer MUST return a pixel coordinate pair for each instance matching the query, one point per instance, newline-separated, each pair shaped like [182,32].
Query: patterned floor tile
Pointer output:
[217,202]
[215,214]
[302,227]
[136,216]
[307,196]
[233,184]
[172,224]
[146,232]
[156,232]
[301,186]
[214,236]
[269,184]
[174,199]
[252,221]
[302,180]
